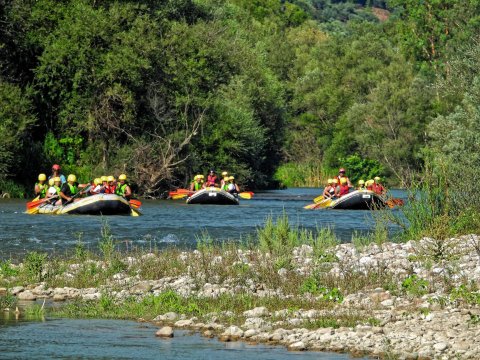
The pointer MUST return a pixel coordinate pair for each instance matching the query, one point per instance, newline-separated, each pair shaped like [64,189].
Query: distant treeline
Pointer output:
[162,90]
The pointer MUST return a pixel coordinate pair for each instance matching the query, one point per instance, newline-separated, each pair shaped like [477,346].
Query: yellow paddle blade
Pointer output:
[322,204]
[37,198]
[310,206]
[245,195]
[179,196]
[318,199]
[33,210]
[135,212]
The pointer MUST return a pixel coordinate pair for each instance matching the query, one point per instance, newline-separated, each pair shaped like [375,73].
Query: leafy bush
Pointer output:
[360,168]
[34,265]
[414,285]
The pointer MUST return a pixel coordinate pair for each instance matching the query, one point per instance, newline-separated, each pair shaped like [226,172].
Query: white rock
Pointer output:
[184,323]
[440,346]
[256,312]
[165,331]
[297,346]
[387,303]
[233,331]
[26,295]
[249,333]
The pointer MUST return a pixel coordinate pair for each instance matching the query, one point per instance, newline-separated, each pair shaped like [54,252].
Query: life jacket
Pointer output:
[120,190]
[73,189]
[344,189]
[57,189]
[211,180]
[377,188]
[43,190]
[225,187]
[197,186]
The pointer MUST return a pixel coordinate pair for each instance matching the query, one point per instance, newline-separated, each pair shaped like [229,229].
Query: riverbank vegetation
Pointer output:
[293,88]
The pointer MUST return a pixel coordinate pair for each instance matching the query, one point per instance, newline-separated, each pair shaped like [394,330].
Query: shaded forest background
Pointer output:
[276,92]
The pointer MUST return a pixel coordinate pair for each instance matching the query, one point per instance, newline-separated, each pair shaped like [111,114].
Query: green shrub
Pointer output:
[414,285]
[34,265]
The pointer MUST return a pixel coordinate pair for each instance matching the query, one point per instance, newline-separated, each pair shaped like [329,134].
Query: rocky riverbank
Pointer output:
[415,300]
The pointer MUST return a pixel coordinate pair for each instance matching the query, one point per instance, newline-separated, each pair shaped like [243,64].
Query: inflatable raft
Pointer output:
[213,195]
[358,200]
[101,204]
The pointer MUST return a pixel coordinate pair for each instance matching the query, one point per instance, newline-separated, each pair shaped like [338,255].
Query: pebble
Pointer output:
[165,332]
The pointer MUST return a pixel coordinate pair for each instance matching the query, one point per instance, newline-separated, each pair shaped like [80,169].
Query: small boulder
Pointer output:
[165,332]
[26,295]
[297,346]
[256,312]
[440,347]
[184,323]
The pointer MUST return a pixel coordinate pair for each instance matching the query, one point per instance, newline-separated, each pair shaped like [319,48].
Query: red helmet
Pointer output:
[56,167]
[341,170]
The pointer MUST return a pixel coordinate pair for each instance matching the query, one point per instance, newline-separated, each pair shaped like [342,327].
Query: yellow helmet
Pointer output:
[97,181]
[224,173]
[122,177]
[231,178]
[343,180]
[71,178]
[226,178]
[51,182]
[57,179]
[202,177]
[361,182]
[335,181]
[377,178]
[42,177]
[110,178]
[369,182]
[104,178]
[197,177]
[329,181]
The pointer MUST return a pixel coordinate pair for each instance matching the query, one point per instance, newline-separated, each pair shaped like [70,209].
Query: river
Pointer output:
[167,222]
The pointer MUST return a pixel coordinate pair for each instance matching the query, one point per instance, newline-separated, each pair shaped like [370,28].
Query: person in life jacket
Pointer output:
[69,190]
[104,184]
[341,174]
[361,185]
[224,180]
[41,186]
[232,186]
[54,190]
[96,187]
[56,173]
[329,191]
[123,189]
[343,189]
[369,185]
[377,187]
[197,183]
[112,185]
[212,179]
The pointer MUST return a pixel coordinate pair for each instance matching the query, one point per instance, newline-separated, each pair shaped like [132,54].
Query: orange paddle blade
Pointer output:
[179,196]
[135,203]
[246,195]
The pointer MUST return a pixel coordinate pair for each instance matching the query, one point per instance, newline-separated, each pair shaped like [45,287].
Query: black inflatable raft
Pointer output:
[213,195]
[101,204]
[358,200]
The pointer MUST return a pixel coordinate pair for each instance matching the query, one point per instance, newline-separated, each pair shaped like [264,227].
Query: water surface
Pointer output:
[171,222]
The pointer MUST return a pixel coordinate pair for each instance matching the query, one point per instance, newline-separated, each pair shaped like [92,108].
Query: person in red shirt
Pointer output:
[377,187]
[341,174]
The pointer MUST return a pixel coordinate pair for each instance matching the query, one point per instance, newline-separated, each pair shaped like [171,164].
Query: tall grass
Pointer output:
[301,175]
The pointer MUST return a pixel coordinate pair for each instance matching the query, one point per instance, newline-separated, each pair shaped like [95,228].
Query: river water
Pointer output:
[167,222]
[118,339]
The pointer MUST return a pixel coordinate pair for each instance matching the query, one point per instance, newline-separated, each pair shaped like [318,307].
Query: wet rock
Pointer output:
[231,333]
[297,346]
[170,316]
[249,333]
[208,334]
[165,332]
[26,295]
[59,297]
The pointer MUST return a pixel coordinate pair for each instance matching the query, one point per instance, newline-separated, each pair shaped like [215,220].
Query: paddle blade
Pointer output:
[310,206]
[135,212]
[32,211]
[318,199]
[246,195]
[322,204]
[179,196]
[135,203]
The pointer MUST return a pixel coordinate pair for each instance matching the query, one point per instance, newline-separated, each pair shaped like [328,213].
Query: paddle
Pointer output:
[322,204]
[179,191]
[246,195]
[135,212]
[78,193]
[135,203]
[33,204]
[178,196]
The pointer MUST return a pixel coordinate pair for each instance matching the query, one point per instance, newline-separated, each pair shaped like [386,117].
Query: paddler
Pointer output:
[212,179]
[123,189]
[329,191]
[224,180]
[112,185]
[341,175]
[69,190]
[54,190]
[97,186]
[377,187]
[361,185]
[197,183]
[369,185]
[56,173]
[343,189]
[41,186]
[232,186]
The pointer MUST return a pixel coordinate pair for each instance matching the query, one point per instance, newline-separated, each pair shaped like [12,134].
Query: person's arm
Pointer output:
[64,196]
[37,189]
[128,191]
[192,186]
[237,188]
